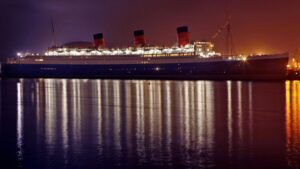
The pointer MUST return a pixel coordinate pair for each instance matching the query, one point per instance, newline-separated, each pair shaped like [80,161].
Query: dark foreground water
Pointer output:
[57,123]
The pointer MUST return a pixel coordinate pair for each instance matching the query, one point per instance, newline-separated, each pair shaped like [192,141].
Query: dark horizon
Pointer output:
[268,27]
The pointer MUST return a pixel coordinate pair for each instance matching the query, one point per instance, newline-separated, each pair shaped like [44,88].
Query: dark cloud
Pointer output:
[269,25]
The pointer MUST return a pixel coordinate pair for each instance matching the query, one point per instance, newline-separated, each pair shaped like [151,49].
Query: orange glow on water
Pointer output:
[292,115]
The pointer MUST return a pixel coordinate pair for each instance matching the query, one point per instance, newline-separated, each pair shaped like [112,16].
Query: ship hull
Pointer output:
[252,69]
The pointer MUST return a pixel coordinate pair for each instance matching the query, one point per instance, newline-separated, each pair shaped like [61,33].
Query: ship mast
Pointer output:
[229,47]
[229,36]
[53,32]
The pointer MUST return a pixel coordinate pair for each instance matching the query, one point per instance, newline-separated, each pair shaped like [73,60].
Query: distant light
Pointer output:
[39,60]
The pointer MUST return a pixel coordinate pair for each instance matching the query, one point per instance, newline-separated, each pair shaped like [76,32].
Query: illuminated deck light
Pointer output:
[201,49]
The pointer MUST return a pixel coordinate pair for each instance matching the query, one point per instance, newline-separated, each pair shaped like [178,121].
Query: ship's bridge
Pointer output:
[204,49]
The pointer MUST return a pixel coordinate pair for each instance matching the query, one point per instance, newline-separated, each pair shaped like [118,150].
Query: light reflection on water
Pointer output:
[150,124]
[293,123]
[20,121]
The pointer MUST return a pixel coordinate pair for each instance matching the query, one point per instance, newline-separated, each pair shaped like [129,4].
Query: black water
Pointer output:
[57,123]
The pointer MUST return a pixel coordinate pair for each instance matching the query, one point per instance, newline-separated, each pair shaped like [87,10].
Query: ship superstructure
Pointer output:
[201,49]
[185,60]
[183,47]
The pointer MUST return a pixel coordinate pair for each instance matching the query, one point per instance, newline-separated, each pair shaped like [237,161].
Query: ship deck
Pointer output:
[130,59]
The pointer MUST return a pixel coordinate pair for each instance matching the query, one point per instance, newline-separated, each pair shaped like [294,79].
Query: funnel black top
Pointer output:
[182,29]
[138,33]
[98,36]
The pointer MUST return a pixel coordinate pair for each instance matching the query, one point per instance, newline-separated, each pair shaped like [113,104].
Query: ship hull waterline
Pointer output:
[258,69]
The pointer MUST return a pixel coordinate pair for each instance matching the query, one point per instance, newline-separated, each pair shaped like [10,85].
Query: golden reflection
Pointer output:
[20,120]
[292,116]
[107,114]
[204,123]
[151,113]
[64,118]
[209,118]
[186,116]
[157,115]
[240,113]
[40,108]
[250,116]
[229,117]
[167,127]
[145,118]
[129,116]
[38,102]
[140,118]
[97,105]
[116,113]
[150,120]
[77,121]
[50,113]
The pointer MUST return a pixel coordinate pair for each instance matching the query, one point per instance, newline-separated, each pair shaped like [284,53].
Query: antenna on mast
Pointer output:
[53,32]
[229,36]
[229,47]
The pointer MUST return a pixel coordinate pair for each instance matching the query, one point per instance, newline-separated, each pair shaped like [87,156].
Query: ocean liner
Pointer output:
[185,60]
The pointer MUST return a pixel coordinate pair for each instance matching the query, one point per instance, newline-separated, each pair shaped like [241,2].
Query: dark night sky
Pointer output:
[258,25]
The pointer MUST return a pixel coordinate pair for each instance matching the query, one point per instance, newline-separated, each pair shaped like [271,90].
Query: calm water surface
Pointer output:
[58,123]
